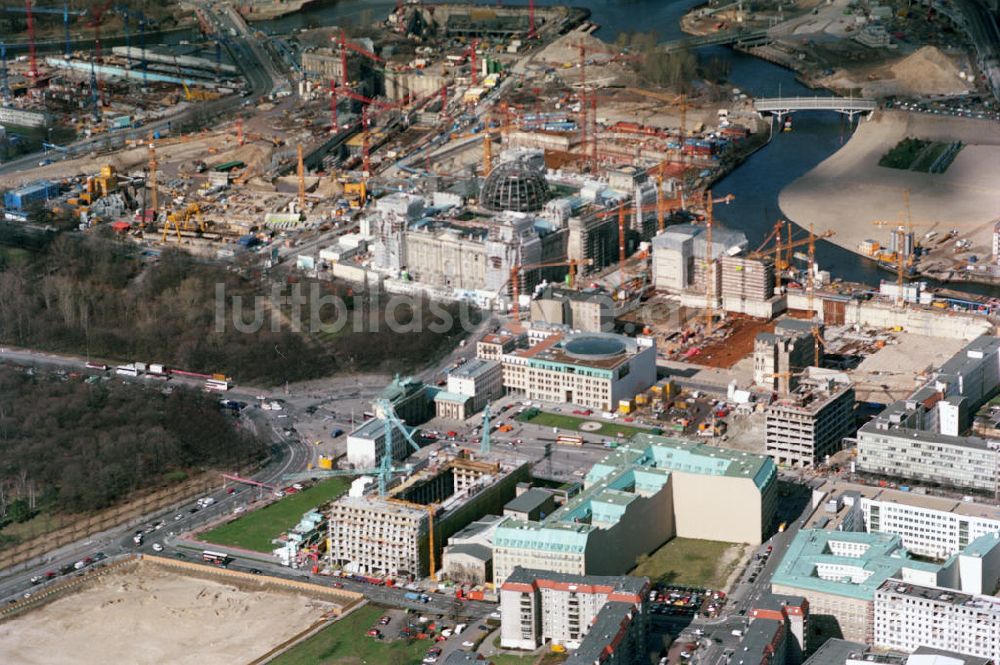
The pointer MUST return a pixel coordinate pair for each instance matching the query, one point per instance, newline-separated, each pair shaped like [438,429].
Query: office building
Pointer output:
[839,572]
[780,357]
[931,526]
[532,505]
[410,399]
[680,253]
[494,345]
[841,652]
[470,387]
[539,606]
[748,286]
[909,617]
[924,438]
[645,493]
[806,426]
[586,311]
[596,370]
[468,558]
[389,536]
[366,444]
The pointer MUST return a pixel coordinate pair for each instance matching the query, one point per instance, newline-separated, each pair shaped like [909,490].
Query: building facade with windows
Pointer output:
[931,526]
[538,607]
[840,571]
[807,425]
[924,438]
[909,616]
[596,370]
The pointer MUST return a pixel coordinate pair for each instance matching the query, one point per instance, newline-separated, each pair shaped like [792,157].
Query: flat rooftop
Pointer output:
[941,595]
[816,560]
[916,499]
[598,583]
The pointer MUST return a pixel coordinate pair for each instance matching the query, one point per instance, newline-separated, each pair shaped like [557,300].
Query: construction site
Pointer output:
[159,610]
[395,523]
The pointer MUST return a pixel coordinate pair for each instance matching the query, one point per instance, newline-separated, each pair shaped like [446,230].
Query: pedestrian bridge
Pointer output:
[781,106]
[736,37]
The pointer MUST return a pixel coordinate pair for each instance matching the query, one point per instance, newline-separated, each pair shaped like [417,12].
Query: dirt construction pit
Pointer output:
[148,614]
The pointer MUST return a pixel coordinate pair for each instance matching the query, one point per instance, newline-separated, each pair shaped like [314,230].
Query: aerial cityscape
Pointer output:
[489,332]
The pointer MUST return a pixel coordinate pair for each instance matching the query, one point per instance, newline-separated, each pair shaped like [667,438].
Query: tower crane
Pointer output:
[471,51]
[152,176]
[710,276]
[781,263]
[484,440]
[4,82]
[515,279]
[95,22]
[30,11]
[302,182]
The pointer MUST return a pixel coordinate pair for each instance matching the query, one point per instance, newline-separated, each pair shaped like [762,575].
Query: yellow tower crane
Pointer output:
[302,183]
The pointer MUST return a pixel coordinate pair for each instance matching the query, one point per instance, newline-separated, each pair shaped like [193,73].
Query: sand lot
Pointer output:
[149,615]
[848,191]
[897,366]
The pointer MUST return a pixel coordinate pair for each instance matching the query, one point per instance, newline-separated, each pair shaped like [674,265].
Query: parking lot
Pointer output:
[441,635]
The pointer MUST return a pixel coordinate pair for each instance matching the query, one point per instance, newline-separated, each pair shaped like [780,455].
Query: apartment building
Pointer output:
[792,612]
[538,607]
[910,616]
[596,370]
[923,438]
[840,571]
[931,526]
[648,491]
[370,536]
[803,428]
[389,535]
[780,357]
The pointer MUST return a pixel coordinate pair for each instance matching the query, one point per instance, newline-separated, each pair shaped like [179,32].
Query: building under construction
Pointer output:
[391,535]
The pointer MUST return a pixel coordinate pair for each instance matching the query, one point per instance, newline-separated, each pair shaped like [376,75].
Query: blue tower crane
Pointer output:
[484,441]
[4,84]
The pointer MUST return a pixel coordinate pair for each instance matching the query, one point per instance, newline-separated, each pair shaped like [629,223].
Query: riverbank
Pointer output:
[254,12]
[850,194]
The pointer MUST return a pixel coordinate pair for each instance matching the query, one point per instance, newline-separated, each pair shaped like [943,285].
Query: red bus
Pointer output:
[217,558]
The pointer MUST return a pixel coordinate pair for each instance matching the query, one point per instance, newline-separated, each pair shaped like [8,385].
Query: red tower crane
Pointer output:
[531,19]
[334,122]
[32,62]
[95,23]
[472,59]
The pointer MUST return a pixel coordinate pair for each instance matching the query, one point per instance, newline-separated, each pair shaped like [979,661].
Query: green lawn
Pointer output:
[573,423]
[255,530]
[689,562]
[511,659]
[345,642]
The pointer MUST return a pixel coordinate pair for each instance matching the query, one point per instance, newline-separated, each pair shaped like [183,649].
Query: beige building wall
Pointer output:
[720,508]
[851,615]
[647,524]
[444,260]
